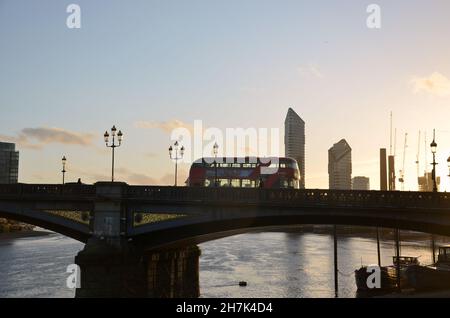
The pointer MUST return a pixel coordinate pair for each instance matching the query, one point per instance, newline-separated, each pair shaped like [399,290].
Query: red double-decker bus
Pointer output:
[245,172]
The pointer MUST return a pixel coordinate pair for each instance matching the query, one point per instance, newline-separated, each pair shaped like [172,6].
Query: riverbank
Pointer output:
[24,234]
[8,226]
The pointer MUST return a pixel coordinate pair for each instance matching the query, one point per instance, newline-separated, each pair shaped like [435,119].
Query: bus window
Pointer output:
[235,183]
[247,183]
[224,182]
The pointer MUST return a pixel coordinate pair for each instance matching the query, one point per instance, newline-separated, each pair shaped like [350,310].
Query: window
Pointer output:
[236,183]
[224,182]
[247,183]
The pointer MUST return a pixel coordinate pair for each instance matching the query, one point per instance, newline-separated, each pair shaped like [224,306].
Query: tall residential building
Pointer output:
[9,163]
[383,170]
[294,141]
[340,166]
[360,183]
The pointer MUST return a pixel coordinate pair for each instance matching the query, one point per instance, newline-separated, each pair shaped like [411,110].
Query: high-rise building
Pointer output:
[391,173]
[383,170]
[9,163]
[294,141]
[361,183]
[340,166]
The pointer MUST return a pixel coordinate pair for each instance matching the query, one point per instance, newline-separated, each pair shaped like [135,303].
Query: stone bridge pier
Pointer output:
[113,266]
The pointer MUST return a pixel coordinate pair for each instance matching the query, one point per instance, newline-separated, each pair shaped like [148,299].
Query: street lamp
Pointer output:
[433,146]
[63,160]
[215,151]
[179,152]
[113,144]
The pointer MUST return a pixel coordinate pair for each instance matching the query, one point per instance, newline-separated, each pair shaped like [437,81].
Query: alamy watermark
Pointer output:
[374,19]
[255,144]
[373,281]
[74,279]
[73,21]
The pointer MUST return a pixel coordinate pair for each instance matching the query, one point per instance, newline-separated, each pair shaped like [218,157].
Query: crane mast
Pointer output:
[418,156]
[402,171]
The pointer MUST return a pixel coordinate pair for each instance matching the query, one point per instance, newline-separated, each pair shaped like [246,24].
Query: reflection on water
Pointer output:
[275,264]
[36,266]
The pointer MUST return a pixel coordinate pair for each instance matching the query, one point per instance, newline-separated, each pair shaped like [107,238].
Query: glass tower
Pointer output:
[9,163]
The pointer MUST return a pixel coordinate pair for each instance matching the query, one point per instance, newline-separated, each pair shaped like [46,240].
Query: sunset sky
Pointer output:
[151,66]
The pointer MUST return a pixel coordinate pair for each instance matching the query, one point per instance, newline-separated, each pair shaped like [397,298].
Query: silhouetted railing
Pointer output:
[47,189]
[340,198]
[267,197]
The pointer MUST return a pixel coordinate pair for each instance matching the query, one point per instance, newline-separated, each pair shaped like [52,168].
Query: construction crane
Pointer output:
[395,142]
[402,171]
[425,153]
[417,157]
[390,132]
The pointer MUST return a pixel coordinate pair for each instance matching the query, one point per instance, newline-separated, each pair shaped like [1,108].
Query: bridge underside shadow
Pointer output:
[203,231]
[49,221]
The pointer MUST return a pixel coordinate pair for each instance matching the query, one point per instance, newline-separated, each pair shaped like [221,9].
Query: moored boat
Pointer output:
[388,275]
[434,277]
[388,280]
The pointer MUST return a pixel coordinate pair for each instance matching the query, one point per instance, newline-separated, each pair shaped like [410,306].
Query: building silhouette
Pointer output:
[340,166]
[294,141]
[9,163]
[360,183]
[426,182]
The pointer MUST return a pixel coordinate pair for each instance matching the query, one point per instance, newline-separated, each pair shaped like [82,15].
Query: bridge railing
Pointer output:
[47,189]
[293,197]
[314,197]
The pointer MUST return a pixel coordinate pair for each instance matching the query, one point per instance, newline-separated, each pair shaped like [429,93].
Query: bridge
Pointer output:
[169,221]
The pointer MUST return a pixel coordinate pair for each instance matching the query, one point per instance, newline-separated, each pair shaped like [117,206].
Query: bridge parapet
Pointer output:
[307,197]
[19,189]
[111,210]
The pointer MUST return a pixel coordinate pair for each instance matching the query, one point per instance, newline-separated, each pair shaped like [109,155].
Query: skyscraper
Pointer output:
[294,141]
[9,163]
[340,166]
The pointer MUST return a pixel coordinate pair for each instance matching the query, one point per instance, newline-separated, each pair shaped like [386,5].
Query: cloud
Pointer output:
[36,138]
[165,126]
[435,84]
[310,70]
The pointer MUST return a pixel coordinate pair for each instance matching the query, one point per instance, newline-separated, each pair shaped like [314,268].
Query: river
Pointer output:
[274,264]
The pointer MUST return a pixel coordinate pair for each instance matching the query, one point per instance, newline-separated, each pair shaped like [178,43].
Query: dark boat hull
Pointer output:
[428,278]
[388,280]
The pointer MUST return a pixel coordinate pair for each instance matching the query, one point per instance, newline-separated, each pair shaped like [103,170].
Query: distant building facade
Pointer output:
[426,182]
[9,173]
[361,183]
[340,166]
[9,163]
[294,141]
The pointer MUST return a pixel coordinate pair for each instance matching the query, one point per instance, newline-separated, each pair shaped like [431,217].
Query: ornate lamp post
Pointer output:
[63,160]
[113,144]
[179,152]
[433,146]
[215,151]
